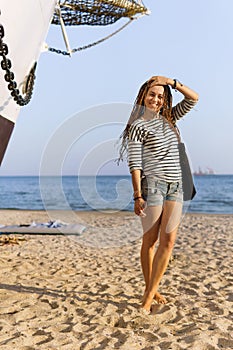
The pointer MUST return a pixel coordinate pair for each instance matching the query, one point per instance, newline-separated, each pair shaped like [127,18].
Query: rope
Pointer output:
[97,12]
[65,53]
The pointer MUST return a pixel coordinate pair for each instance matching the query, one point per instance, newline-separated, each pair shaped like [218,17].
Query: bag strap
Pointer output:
[177,132]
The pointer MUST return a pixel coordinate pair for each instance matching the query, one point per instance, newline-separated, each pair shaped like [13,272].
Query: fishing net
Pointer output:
[97,12]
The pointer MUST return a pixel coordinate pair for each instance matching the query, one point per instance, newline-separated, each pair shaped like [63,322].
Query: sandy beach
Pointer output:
[69,292]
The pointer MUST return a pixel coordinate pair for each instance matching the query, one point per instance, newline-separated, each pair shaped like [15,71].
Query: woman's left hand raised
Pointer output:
[160,80]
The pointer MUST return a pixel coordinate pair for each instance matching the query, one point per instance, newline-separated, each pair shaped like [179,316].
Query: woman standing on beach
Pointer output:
[153,158]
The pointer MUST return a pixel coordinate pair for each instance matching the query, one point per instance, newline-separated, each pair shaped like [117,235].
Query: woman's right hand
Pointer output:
[139,206]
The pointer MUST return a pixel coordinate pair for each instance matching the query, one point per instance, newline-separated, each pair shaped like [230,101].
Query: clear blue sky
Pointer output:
[189,41]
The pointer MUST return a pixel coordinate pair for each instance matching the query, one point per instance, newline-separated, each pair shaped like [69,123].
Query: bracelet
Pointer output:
[136,198]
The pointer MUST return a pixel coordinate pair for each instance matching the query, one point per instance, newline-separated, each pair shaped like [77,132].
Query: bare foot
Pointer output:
[147,302]
[159,298]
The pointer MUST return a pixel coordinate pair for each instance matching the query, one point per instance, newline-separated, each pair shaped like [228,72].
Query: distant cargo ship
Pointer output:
[207,171]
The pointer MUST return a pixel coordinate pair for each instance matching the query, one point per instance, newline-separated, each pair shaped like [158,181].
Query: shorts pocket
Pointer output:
[176,188]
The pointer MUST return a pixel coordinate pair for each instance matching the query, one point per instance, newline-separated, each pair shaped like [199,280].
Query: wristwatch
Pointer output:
[175,83]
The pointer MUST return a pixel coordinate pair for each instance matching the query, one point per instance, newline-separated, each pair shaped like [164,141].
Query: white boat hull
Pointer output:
[25,23]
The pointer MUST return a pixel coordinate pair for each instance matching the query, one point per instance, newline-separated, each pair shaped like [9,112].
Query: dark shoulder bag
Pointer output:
[189,189]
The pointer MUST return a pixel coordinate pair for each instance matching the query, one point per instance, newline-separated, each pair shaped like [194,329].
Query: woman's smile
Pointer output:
[155,98]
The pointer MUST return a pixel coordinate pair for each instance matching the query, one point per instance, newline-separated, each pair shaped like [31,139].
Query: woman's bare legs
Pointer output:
[155,265]
[151,226]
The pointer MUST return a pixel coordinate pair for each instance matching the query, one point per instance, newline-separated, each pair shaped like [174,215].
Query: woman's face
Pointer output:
[154,98]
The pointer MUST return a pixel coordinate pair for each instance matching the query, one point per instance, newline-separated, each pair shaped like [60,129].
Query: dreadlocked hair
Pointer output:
[166,110]
[139,109]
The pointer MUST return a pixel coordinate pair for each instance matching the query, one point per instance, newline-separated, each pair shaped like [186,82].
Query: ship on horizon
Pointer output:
[207,171]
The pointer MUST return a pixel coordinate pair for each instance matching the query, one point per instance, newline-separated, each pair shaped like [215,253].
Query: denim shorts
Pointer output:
[155,191]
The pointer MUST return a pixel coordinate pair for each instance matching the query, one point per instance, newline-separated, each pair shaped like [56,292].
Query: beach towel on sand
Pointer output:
[51,227]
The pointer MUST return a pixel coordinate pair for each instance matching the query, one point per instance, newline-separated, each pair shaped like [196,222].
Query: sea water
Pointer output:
[214,193]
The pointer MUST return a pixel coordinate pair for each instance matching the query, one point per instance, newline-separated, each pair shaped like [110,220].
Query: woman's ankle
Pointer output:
[147,301]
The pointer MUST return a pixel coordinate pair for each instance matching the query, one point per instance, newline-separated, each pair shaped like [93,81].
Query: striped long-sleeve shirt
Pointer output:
[153,145]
